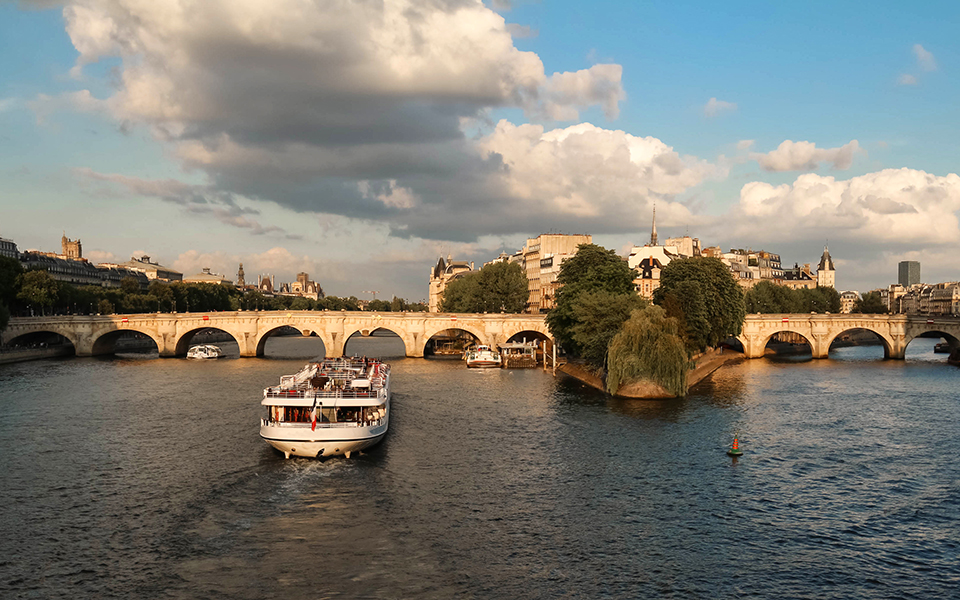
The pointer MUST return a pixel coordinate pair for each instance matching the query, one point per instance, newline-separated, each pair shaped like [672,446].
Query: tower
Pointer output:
[653,231]
[909,273]
[826,274]
[240,281]
[70,248]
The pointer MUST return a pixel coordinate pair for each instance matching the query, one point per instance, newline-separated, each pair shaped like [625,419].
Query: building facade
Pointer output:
[848,300]
[441,275]
[207,276]
[826,274]
[542,258]
[8,248]
[153,271]
[909,273]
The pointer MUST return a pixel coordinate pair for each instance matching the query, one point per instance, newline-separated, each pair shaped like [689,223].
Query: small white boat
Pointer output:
[483,357]
[335,407]
[204,351]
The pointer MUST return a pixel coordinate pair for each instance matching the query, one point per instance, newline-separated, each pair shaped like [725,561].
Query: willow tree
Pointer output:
[649,347]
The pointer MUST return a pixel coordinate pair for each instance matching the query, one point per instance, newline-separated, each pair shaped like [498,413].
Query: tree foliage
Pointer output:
[649,346]
[497,287]
[592,269]
[10,270]
[870,303]
[769,298]
[38,288]
[722,298]
[599,315]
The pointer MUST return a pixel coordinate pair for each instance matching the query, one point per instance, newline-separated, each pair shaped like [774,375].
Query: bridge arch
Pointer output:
[888,344]
[952,340]
[367,330]
[24,335]
[185,340]
[305,329]
[105,341]
[435,328]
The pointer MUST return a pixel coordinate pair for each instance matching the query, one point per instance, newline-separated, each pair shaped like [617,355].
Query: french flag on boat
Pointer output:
[313,416]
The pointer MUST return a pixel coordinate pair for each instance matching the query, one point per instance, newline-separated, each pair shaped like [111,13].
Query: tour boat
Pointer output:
[204,351]
[337,406]
[483,356]
[942,348]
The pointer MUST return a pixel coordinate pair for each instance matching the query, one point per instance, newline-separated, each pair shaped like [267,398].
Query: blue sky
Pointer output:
[360,145]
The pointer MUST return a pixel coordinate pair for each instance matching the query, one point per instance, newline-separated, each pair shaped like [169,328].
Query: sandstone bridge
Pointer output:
[173,332]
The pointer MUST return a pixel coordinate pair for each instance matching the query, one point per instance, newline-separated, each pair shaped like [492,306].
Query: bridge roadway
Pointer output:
[173,332]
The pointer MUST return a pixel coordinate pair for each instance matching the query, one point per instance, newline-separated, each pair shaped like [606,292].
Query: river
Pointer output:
[131,477]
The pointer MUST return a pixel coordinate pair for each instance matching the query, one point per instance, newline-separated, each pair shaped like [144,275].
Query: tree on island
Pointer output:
[870,304]
[709,299]
[649,346]
[600,318]
[592,270]
[497,287]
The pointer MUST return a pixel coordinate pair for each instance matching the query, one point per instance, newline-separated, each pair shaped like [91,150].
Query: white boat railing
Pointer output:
[280,393]
[300,424]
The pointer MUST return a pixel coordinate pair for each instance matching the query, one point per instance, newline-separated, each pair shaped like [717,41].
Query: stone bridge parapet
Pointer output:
[820,330]
[173,332]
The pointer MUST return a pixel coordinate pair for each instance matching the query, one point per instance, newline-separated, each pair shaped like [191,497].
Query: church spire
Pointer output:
[653,231]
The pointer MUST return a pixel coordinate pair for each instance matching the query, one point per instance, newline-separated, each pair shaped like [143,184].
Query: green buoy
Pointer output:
[735,448]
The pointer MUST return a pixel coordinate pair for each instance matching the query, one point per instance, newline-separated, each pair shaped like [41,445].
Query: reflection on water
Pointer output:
[126,477]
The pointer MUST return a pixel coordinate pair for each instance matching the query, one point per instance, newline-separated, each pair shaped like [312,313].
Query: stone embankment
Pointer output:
[15,356]
[705,364]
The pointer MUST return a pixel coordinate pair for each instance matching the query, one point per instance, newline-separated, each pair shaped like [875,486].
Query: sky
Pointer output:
[361,140]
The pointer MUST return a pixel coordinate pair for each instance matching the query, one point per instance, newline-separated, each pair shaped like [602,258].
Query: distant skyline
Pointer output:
[358,142]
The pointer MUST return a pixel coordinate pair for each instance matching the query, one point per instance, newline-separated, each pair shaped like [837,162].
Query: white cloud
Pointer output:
[889,207]
[101,256]
[565,93]
[7,104]
[714,107]
[925,59]
[584,174]
[805,156]
[907,79]
[745,144]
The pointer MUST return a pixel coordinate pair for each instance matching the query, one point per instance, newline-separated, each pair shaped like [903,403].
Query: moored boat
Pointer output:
[203,351]
[942,348]
[483,357]
[329,408]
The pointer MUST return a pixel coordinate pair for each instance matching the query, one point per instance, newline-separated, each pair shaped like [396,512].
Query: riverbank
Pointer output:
[706,364]
[15,356]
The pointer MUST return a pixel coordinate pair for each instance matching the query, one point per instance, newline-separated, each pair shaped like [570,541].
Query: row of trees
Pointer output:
[36,292]
[770,298]
[497,287]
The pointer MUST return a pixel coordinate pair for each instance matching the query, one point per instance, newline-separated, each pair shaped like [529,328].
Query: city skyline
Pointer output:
[359,145]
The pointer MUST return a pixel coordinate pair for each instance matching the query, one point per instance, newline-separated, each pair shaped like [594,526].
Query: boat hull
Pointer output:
[482,364]
[302,441]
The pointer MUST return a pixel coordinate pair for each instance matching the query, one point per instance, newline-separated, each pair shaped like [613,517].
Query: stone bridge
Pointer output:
[820,330]
[173,332]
